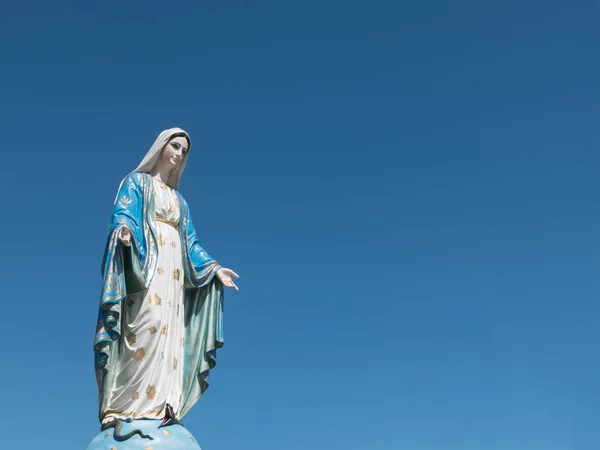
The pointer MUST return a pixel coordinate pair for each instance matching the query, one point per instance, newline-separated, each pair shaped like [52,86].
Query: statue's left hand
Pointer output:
[225,275]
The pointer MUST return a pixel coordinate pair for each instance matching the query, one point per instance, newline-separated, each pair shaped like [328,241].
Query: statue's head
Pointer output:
[174,152]
[170,149]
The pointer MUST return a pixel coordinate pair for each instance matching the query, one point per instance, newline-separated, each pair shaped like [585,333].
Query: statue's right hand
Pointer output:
[125,236]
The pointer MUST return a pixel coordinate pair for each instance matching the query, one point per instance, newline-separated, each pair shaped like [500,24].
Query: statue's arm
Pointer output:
[204,267]
[198,255]
[126,216]
[203,262]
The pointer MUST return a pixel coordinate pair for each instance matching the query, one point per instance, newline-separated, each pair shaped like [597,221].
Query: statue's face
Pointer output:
[174,152]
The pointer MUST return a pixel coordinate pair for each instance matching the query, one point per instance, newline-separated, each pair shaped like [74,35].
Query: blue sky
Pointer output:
[407,189]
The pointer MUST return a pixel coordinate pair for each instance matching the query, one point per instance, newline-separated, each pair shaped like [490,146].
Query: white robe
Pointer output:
[147,369]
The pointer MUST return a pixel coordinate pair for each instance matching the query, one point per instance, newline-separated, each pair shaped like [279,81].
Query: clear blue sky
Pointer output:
[409,191]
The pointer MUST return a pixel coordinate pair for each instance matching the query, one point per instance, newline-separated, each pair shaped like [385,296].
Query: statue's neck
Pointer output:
[161,173]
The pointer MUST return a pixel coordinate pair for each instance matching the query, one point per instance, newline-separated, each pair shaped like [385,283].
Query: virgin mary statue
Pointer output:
[161,307]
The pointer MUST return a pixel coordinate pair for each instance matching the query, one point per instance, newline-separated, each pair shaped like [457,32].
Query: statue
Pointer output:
[161,308]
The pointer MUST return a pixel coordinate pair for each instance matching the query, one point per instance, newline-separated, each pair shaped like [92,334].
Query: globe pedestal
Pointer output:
[166,438]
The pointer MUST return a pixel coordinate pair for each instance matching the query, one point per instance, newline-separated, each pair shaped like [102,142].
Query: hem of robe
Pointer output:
[119,415]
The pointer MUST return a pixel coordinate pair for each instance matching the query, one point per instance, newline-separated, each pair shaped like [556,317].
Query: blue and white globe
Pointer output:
[172,437]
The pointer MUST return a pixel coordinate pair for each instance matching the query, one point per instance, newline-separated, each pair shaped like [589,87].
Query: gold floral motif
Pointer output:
[139,354]
[174,363]
[166,432]
[152,329]
[161,240]
[131,338]
[160,270]
[113,448]
[176,274]
[170,210]
[124,202]
[136,396]
[165,330]
[107,435]
[151,393]
[148,448]
[155,299]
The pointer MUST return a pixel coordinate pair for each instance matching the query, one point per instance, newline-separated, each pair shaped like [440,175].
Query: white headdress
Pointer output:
[153,154]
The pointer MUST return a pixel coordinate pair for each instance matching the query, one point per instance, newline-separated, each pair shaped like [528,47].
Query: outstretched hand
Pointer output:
[125,236]
[225,275]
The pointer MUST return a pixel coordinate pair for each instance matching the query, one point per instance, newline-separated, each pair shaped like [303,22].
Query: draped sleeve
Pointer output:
[124,269]
[200,267]
[203,313]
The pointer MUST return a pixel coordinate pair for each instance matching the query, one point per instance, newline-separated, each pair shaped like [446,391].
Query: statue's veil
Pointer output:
[154,153]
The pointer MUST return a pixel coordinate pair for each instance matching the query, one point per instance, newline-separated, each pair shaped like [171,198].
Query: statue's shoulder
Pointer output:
[136,179]
[181,199]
